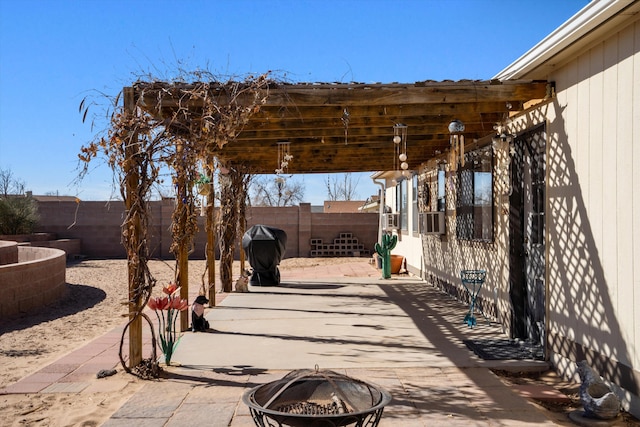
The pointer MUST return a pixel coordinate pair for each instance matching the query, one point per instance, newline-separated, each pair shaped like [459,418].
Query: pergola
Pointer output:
[326,127]
[349,127]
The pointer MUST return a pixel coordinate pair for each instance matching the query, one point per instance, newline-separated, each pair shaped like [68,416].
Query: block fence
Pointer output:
[33,278]
[98,226]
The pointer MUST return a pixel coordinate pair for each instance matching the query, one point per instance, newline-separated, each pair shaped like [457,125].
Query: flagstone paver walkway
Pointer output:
[402,334]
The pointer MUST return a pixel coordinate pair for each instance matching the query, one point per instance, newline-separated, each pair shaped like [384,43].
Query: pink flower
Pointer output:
[158,303]
[170,288]
[162,303]
[179,304]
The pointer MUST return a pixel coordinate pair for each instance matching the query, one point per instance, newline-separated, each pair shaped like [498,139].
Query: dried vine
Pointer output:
[233,196]
[242,200]
[161,125]
[227,228]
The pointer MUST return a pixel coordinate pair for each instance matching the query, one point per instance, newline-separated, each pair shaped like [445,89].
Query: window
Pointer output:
[474,209]
[414,204]
[442,192]
[536,148]
[401,203]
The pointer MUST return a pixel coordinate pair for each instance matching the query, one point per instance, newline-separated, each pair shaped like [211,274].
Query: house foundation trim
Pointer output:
[610,369]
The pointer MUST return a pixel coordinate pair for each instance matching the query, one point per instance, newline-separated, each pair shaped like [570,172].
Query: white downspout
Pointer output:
[380,217]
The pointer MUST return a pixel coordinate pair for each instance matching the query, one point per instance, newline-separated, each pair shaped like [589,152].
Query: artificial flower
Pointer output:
[167,309]
[170,288]
[179,304]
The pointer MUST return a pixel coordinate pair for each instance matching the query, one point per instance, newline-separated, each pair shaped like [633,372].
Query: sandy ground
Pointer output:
[94,305]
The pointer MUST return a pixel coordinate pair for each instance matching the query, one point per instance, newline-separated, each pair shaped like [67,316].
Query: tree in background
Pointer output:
[266,191]
[18,212]
[343,188]
[9,184]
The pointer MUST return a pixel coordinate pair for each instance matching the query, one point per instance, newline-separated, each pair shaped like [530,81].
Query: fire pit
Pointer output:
[305,398]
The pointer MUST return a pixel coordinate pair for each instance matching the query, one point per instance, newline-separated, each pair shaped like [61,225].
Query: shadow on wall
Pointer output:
[582,317]
[580,305]
[445,257]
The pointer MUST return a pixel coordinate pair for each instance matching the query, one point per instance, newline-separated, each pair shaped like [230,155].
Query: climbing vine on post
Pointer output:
[176,126]
[227,228]
[233,195]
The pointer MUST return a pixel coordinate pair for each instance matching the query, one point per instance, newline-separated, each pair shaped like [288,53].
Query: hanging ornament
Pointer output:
[400,141]
[345,122]
[456,127]
[456,144]
[284,157]
[204,187]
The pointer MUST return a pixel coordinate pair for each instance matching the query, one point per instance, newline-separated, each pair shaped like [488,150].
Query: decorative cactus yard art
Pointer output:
[383,250]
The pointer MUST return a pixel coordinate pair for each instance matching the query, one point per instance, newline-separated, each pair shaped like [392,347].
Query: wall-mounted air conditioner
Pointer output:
[432,223]
[391,221]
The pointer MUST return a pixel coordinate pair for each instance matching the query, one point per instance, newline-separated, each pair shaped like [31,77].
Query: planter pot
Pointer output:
[396,263]
[203,189]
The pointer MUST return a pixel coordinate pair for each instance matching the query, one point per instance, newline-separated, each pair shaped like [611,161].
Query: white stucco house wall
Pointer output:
[549,205]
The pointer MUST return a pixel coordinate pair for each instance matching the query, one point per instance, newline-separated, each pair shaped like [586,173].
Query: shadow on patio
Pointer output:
[402,334]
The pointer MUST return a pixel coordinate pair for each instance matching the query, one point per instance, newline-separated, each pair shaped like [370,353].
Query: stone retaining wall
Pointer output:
[37,279]
[72,247]
[8,252]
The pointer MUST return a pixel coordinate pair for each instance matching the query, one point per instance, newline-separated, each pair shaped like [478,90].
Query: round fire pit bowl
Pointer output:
[316,398]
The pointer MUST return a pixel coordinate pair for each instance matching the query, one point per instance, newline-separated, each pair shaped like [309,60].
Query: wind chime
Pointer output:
[456,144]
[345,123]
[400,141]
[284,157]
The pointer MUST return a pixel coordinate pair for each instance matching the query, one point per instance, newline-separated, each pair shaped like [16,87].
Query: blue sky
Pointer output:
[53,53]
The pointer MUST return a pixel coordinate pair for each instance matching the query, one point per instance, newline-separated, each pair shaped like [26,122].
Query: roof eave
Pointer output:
[596,14]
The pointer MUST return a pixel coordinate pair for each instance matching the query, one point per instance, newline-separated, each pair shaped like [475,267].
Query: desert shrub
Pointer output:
[18,215]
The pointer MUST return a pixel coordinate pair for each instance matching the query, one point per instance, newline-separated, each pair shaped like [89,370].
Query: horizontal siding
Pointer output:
[593,194]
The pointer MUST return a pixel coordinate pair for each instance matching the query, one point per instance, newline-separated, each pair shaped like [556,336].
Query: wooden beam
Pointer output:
[347,95]
[317,130]
[380,95]
[132,182]
[392,112]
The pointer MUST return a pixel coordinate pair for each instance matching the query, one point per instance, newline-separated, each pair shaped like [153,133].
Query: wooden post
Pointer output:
[132,179]
[182,255]
[183,282]
[242,219]
[242,256]
[210,228]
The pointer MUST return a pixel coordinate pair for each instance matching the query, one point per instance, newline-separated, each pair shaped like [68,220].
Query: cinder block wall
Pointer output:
[8,252]
[98,226]
[70,246]
[328,227]
[36,280]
